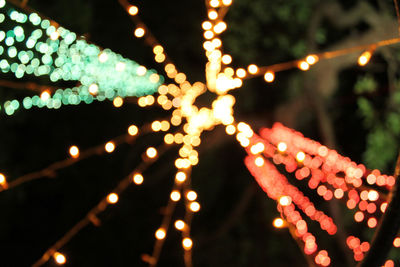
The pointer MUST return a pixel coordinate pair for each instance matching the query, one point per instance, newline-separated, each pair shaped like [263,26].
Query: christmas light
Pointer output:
[112,198]
[74,151]
[137,178]
[59,258]
[187,243]
[160,234]
[180,225]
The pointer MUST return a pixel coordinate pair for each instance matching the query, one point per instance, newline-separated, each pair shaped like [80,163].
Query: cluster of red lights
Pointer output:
[327,172]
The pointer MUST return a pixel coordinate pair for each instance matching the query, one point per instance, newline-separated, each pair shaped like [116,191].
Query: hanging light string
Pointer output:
[91,216]
[76,155]
[160,55]
[304,64]
[191,206]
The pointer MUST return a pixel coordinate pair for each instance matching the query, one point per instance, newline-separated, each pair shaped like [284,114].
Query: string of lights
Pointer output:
[91,217]
[76,155]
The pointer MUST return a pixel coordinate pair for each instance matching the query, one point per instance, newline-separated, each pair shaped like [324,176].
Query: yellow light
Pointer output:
[139,32]
[109,147]
[2,179]
[364,58]
[159,58]
[282,147]
[165,126]
[227,2]
[151,152]
[187,243]
[208,35]
[216,42]
[160,234]
[278,223]
[226,59]
[93,89]
[118,102]
[206,25]
[285,201]
[137,178]
[241,73]
[253,69]
[112,198]
[133,130]
[220,27]
[154,78]
[169,138]
[304,66]
[141,70]
[133,10]
[269,76]
[179,224]
[191,195]
[74,151]
[214,3]
[300,156]
[180,177]
[54,35]
[373,195]
[158,49]
[59,258]
[257,148]
[103,57]
[312,59]
[45,95]
[213,15]
[230,129]
[194,206]
[175,195]
[259,161]
[150,100]
[156,126]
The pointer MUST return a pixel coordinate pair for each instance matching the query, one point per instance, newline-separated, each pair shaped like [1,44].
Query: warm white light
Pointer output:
[179,224]
[109,147]
[300,156]
[93,89]
[194,206]
[282,147]
[160,234]
[74,151]
[139,32]
[187,243]
[191,195]
[285,200]
[151,152]
[138,178]
[59,258]
[112,198]
[175,195]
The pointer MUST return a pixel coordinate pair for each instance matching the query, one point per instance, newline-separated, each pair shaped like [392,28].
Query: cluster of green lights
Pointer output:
[32,46]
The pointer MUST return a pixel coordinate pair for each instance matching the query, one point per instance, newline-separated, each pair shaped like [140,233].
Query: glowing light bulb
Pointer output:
[191,195]
[226,59]
[312,59]
[259,161]
[180,177]
[300,156]
[118,102]
[54,35]
[213,15]
[139,32]
[220,27]
[269,76]
[227,2]
[93,89]
[241,73]
[278,223]
[151,152]
[59,258]
[45,95]
[214,3]
[109,147]
[253,69]
[208,35]
[133,130]
[74,151]
[112,198]
[194,206]
[103,57]
[138,178]
[230,129]
[396,242]
[179,224]
[282,147]
[175,195]
[133,10]
[187,243]
[364,58]
[206,25]
[160,234]
[141,70]
[285,201]
[304,66]
[2,179]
